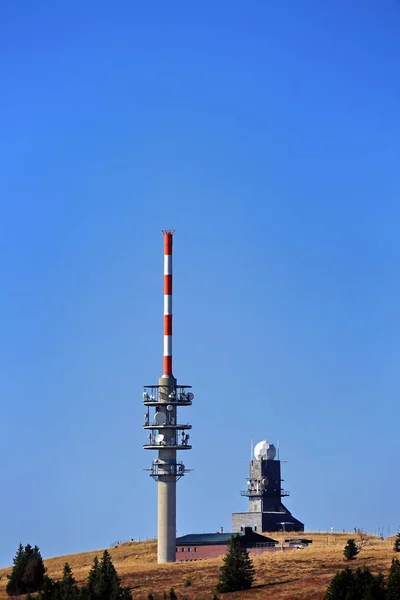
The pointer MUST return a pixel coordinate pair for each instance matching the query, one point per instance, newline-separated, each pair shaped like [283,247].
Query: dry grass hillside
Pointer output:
[295,574]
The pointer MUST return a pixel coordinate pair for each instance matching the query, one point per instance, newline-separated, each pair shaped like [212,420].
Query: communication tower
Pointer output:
[165,432]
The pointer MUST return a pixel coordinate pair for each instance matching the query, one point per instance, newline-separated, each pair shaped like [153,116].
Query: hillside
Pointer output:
[296,574]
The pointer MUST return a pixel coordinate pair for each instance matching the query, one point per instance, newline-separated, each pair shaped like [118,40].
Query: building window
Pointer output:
[189,549]
[195,549]
[255,527]
[241,529]
[183,549]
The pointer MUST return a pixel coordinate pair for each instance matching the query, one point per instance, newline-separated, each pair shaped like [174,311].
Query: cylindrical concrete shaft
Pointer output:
[166,548]
[166,535]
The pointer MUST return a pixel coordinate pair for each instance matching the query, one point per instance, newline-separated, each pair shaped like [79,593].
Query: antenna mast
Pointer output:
[165,433]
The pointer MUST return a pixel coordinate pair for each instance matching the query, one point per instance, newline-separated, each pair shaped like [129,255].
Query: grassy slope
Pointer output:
[296,574]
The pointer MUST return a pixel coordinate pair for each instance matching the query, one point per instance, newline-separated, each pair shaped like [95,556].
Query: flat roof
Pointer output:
[204,538]
[199,539]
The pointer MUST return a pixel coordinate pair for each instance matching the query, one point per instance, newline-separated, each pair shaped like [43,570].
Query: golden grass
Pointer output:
[295,574]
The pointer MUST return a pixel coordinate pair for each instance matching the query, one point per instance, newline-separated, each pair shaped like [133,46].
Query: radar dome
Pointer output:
[264,450]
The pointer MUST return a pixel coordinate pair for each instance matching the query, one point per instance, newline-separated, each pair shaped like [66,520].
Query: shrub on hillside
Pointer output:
[350,550]
[396,545]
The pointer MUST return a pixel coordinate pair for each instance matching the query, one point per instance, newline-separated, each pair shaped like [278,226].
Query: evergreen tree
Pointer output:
[28,571]
[49,590]
[103,582]
[350,550]
[340,585]
[356,585]
[172,595]
[377,589]
[14,584]
[93,579]
[393,586]
[237,572]
[35,570]
[367,586]
[67,588]
[396,545]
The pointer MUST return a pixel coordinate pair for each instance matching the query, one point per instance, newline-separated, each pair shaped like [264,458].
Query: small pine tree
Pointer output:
[35,570]
[14,585]
[237,572]
[150,596]
[172,595]
[67,588]
[49,591]
[393,584]
[350,550]
[103,582]
[93,579]
[340,585]
[396,545]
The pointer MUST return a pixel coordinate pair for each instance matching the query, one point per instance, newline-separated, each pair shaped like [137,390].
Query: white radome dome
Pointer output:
[264,450]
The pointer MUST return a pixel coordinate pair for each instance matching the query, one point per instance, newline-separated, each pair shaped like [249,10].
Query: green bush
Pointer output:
[350,550]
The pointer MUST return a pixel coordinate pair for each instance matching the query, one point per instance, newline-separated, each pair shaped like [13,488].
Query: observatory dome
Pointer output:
[264,450]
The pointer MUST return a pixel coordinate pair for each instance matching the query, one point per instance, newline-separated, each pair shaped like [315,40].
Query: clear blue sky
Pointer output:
[266,133]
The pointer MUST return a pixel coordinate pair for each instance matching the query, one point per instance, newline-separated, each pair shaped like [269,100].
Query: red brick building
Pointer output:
[197,546]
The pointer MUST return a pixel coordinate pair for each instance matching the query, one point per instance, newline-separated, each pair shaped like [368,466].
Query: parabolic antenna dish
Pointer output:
[190,396]
[159,438]
[160,418]
[264,450]
[170,407]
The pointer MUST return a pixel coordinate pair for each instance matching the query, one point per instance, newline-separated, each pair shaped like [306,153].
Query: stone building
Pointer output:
[266,510]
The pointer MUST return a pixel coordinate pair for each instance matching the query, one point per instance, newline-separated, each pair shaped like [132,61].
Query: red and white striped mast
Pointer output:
[164,431]
[168,233]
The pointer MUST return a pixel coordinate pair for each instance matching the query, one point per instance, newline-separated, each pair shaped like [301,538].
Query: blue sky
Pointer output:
[268,135]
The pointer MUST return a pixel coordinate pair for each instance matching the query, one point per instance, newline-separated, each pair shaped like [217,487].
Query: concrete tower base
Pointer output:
[166,534]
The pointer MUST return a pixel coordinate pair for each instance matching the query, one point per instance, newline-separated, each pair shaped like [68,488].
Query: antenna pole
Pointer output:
[168,233]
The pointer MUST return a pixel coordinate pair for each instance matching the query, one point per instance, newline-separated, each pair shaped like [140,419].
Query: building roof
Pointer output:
[248,538]
[204,538]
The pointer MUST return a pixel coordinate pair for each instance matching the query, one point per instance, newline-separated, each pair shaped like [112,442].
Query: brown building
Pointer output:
[197,546]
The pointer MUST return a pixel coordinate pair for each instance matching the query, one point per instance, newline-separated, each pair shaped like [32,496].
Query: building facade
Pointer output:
[199,546]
